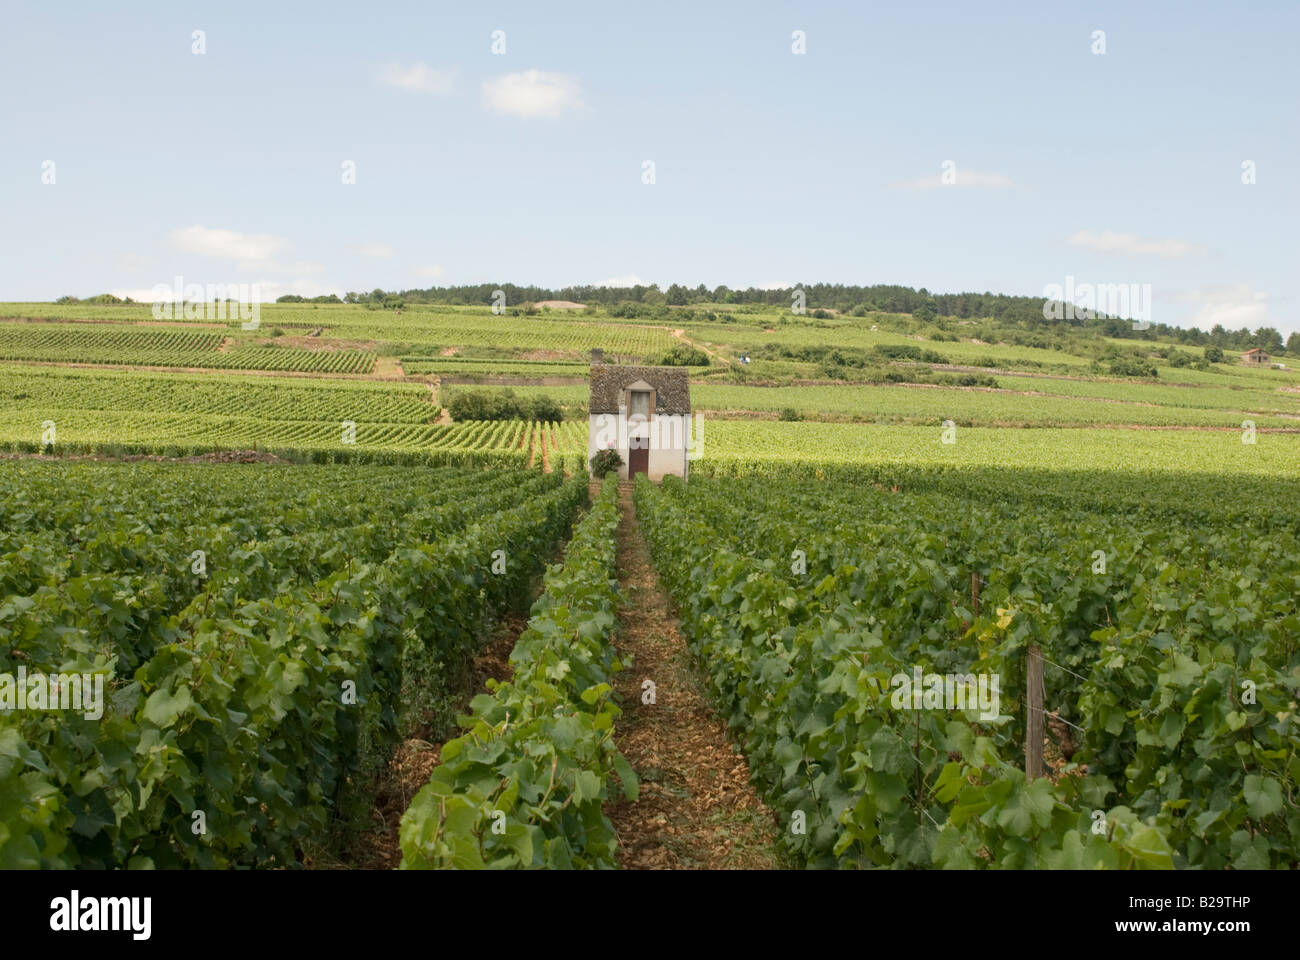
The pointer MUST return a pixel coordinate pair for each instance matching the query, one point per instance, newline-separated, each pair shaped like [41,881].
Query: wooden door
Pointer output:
[638,460]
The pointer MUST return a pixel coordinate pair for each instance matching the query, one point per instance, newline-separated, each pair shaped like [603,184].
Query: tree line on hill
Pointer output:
[1007,318]
[1011,313]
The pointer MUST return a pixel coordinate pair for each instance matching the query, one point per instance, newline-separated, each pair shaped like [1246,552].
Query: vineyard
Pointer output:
[25,392]
[482,367]
[274,631]
[1171,665]
[136,346]
[926,404]
[546,736]
[265,641]
[511,442]
[734,447]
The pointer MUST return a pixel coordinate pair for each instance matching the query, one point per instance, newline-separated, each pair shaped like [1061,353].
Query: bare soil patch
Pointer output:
[697,808]
[313,342]
[547,355]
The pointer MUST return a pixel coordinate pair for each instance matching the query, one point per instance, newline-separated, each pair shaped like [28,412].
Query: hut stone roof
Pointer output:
[671,384]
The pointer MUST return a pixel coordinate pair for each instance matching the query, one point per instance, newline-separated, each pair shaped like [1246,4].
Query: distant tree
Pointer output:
[684,355]
[1293,344]
[502,405]
[1214,354]
[1132,366]
[547,409]
[926,311]
[1269,340]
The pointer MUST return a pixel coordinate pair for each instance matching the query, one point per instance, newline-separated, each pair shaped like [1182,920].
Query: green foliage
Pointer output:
[502,405]
[789,415]
[1179,663]
[524,786]
[605,462]
[684,355]
[1129,365]
[332,606]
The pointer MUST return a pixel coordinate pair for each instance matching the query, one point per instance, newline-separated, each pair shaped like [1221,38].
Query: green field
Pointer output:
[370,540]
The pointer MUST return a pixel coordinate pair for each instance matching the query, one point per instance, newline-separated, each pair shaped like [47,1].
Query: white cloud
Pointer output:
[431,272]
[1234,306]
[532,93]
[228,244]
[274,266]
[627,280]
[371,250]
[418,77]
[1108,241]
[963,177]
[250,251]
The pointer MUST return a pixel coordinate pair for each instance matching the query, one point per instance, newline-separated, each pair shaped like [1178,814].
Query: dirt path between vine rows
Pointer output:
[697,808]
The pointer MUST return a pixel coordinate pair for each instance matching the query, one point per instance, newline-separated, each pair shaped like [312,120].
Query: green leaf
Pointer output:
[1263,795]
[163,707]
[1030,807]
[631,787]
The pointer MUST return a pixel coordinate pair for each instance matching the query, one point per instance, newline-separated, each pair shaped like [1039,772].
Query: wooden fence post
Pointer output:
[1034,708]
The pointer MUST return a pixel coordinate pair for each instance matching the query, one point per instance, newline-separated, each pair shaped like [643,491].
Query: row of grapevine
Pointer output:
[166,347]
[93,344]
[35,391]
[246,689]
[1171,665]
[524,786]
[174,435]
[965,407]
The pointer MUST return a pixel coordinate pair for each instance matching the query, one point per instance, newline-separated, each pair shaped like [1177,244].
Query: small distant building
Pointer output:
[1256,357]
[642,412]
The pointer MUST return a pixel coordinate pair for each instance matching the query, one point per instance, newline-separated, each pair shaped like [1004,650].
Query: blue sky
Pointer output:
[770,167]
